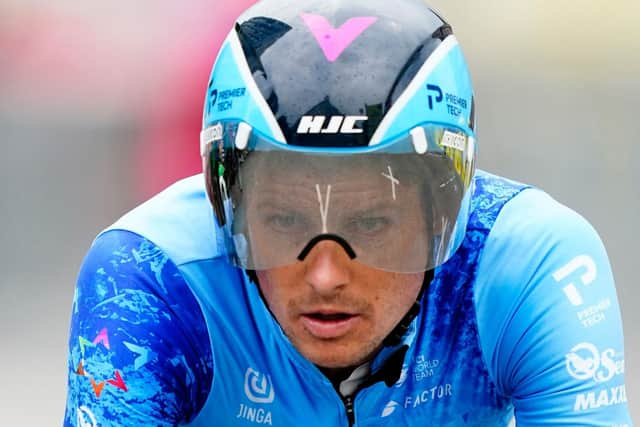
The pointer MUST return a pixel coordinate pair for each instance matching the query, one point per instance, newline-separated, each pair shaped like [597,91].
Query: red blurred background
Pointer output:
[74,56]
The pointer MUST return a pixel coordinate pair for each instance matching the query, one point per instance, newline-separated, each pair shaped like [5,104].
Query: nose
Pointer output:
[327,267]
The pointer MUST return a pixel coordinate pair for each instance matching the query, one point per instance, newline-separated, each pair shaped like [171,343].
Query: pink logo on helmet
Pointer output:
[334,41]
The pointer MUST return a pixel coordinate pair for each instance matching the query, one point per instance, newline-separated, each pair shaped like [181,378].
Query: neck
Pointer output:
[346,381]
[337,375]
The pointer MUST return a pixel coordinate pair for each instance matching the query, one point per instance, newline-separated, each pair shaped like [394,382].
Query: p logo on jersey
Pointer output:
[585,267]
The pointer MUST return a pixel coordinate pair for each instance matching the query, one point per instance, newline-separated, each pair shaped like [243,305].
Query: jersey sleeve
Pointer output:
[548,317]
[139,349]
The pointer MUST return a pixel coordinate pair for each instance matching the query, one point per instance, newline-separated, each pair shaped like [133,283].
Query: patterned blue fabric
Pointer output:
[524,317]
[139,347]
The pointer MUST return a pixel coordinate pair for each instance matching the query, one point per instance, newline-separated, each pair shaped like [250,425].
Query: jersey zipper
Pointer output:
[348,406]
[380,375]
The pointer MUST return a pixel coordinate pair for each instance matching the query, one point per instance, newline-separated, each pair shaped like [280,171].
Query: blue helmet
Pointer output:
[351,121]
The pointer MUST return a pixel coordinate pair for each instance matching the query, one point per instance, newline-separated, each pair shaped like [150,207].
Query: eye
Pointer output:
[288,222]
[369,224]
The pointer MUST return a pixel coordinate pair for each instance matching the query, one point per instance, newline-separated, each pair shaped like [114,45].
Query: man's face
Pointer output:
[336,310]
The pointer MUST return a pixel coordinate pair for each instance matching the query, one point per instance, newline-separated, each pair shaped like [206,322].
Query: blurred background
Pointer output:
[100,107]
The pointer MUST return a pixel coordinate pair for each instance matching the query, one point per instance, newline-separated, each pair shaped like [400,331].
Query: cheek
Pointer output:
[274,288]
[266,282]
[396,293]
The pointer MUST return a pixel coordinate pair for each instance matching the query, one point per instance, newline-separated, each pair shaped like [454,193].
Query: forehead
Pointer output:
[355,172]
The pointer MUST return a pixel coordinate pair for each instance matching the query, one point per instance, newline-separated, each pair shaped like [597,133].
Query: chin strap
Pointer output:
[253,277]
[396,335]
[391,370]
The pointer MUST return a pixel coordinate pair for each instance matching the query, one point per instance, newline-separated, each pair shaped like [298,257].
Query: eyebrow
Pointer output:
[362,207]
[289,200]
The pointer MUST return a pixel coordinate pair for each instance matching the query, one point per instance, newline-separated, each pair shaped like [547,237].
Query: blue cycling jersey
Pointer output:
[522,320]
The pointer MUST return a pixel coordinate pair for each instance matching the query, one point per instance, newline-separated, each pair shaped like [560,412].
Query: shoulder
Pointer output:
[517,215]
[533,222]
[535,242]
[136,331]
[490,194]
[543,287]
[179,220]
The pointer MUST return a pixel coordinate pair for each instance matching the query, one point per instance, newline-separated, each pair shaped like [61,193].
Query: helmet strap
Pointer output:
[254,278]
[398,333]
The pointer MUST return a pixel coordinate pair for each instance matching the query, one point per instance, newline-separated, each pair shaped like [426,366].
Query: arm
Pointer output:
[548,317]
[139,350]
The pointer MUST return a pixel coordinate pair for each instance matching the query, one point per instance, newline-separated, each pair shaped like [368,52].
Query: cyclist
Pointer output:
[341,261]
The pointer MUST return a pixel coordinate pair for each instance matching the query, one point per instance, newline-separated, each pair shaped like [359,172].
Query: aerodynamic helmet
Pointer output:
[351,121]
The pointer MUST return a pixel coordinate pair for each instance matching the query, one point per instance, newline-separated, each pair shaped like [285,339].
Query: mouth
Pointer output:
[329,316]
[329,324]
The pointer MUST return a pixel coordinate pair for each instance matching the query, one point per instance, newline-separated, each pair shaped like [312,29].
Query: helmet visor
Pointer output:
[399,206]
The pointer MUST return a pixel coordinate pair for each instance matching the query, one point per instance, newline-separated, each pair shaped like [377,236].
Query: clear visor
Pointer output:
[400,206]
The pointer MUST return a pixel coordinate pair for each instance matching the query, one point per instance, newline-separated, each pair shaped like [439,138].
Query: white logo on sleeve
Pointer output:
[587,266]
[258,387]
[584,361]
[85,417]
[389,408]
[603,397]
